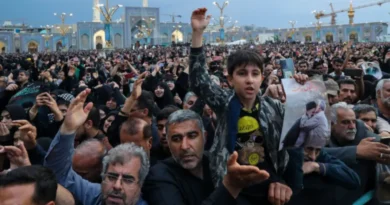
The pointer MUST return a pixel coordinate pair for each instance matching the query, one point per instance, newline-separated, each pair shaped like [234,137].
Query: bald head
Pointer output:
[87,159]
[64,197]
[137,131]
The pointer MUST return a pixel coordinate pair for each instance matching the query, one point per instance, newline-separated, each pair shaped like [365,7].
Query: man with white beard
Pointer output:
[383,106]
[359,148]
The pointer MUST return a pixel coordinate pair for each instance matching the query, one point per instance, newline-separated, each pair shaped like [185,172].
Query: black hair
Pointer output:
[166,99]
[311,105]
[338,60]
[317,62]
[112,113]
[164,113]
[146,100]
[147,131]
[215,65]
[94,116]
[363,109]
[43,178]
[244,57]
[304,62]
[62,102]
[346,82]
[27,73]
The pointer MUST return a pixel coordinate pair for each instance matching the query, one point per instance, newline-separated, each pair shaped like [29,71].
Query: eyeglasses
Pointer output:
[124,179]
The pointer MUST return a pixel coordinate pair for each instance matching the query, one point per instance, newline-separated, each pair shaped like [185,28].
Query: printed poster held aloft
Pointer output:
[306,113]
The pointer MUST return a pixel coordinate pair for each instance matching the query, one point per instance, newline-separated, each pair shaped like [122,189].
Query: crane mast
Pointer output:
[351,11]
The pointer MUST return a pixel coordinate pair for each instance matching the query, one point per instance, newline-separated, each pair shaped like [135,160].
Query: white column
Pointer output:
[145,3]
[96,13]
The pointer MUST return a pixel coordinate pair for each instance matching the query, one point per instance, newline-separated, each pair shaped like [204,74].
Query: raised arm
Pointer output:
[200,81]
[59,156]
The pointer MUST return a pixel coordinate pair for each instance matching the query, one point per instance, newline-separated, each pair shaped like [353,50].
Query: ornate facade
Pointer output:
[367,32]
[34,42]
[142,25]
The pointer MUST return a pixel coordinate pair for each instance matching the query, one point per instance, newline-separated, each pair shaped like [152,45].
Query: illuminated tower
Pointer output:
[351,13]
[96,13]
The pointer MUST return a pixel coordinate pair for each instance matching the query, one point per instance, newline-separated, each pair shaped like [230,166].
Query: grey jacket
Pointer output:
[316,126]
[271,118]
[347,153]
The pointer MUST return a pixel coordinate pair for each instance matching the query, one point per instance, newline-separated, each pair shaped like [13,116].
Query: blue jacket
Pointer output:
[59,160]
[322,188]
[337,172]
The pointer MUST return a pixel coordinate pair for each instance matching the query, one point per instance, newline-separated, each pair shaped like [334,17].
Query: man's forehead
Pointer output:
[370,114]
[194,97]
[4,113]
[386,85]
[130,166]
[248,67]
[347,86]
[162,122]
[346,113]
[184,127]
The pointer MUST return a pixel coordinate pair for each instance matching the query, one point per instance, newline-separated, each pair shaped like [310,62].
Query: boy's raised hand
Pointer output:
[199,21]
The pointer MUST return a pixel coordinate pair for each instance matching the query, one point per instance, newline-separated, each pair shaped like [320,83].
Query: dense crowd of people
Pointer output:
[193,124]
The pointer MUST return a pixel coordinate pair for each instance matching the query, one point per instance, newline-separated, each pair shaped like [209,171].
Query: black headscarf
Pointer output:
[166,99]
[113,113]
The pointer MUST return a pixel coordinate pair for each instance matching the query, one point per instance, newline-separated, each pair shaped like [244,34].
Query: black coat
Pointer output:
[169,184]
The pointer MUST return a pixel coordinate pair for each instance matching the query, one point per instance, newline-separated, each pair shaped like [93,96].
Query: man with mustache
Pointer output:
[124,167]
[352,143]
[383,106]
[321,173]
[348,92]
[185,178]
[162,152]
[367,114]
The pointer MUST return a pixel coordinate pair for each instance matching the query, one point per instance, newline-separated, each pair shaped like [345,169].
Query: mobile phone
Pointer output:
[353,72]
[385,140]
[5,141]
[130,75]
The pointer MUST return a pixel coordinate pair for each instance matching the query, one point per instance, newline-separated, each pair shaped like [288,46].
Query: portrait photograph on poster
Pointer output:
[307,112]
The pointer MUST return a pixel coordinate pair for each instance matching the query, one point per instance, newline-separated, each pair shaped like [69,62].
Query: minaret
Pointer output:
[145,3]
[96,12]
[351,13]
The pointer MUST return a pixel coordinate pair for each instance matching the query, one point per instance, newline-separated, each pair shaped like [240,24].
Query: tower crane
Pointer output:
[333,15]
[173,16]
[351,11]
